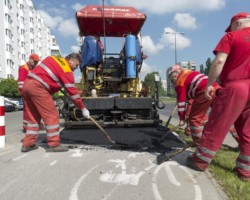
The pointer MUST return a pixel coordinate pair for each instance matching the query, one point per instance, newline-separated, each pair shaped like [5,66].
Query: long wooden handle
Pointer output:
[169,131]
[171,115]
[104,132]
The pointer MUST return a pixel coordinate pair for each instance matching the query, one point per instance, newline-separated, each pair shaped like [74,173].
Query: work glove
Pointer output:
[85,113]
[181,123]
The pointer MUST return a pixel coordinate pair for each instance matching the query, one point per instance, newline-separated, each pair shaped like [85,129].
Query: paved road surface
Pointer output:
[92,172]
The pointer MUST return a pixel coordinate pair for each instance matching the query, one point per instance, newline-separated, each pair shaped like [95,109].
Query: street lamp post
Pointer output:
[175,51]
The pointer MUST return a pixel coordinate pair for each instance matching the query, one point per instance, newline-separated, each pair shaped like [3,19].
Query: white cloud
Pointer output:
[185,20]
[169,39]
[170,6]
[49,21]
[149,46]
[77,6]
[146,69]
[68,28]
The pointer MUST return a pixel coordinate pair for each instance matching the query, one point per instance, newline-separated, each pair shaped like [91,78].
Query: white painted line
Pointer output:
[198,194]
[77,153]
[73,193]
[53,163]
[171,175]
[154,184]
[133,155]
[47,155]
[197,189]
[20,157]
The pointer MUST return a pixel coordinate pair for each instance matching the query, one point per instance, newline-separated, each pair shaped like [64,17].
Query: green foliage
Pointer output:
[202,69]
[172,92]
[222,170]
[149,81]
[208,65]
[9,88]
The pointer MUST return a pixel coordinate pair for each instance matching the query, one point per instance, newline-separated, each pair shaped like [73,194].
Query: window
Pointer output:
[22,44]
[9,48]
[10,76]
[23,57]
[8,18]
[8,33]
[22,19]
[22,31]
[10,63]
[22,7]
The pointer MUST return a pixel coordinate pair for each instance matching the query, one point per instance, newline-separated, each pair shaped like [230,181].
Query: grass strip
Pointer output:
[222,170]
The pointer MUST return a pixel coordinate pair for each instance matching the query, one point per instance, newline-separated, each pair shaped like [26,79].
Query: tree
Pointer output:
[202,68]
[9,88]
[208,65]
[149,81]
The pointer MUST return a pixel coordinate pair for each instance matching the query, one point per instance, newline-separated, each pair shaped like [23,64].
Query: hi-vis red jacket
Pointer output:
[22,75]
[188,84]
[55,73]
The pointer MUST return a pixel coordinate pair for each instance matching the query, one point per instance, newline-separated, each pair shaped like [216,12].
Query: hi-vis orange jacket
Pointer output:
[55,73]
[188,84]
[22,75]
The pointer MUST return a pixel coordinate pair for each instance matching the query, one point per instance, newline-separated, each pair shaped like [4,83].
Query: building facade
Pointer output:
[22,33]
[184,64]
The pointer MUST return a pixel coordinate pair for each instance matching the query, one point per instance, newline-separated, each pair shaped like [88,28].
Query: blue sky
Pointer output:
[203,22]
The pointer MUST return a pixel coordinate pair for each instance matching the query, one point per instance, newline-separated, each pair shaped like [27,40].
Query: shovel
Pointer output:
[103,131]
[165,157]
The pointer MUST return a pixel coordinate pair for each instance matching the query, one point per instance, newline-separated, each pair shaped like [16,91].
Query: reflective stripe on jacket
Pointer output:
[55,73]
[22,75]
[188,84]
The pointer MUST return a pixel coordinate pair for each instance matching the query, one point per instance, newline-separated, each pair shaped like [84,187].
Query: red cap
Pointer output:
[174,68]
[34,57]
[241,15]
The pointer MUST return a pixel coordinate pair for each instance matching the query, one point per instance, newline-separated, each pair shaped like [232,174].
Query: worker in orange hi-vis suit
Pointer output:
[191,85]
[22,75]
[49,76]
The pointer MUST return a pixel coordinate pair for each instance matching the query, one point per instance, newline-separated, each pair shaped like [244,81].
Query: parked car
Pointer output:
[9,106]
[17,102]
[20,102]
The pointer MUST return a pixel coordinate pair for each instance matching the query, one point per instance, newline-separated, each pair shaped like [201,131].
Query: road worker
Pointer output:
[232,104]
[49,76]
[22,75]
[191,85]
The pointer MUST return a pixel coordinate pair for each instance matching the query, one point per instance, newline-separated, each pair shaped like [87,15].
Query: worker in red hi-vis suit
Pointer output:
[191,85]
[232,104]
[49,76]
[22,75]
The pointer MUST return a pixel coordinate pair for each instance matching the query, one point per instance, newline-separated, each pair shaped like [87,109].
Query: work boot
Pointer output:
[29,148]
[190,163]
[58,148]
[243,178]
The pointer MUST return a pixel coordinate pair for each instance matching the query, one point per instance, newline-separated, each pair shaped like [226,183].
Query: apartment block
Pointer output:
[22,33]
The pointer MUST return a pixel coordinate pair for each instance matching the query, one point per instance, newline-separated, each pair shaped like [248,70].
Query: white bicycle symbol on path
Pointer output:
[133,178]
